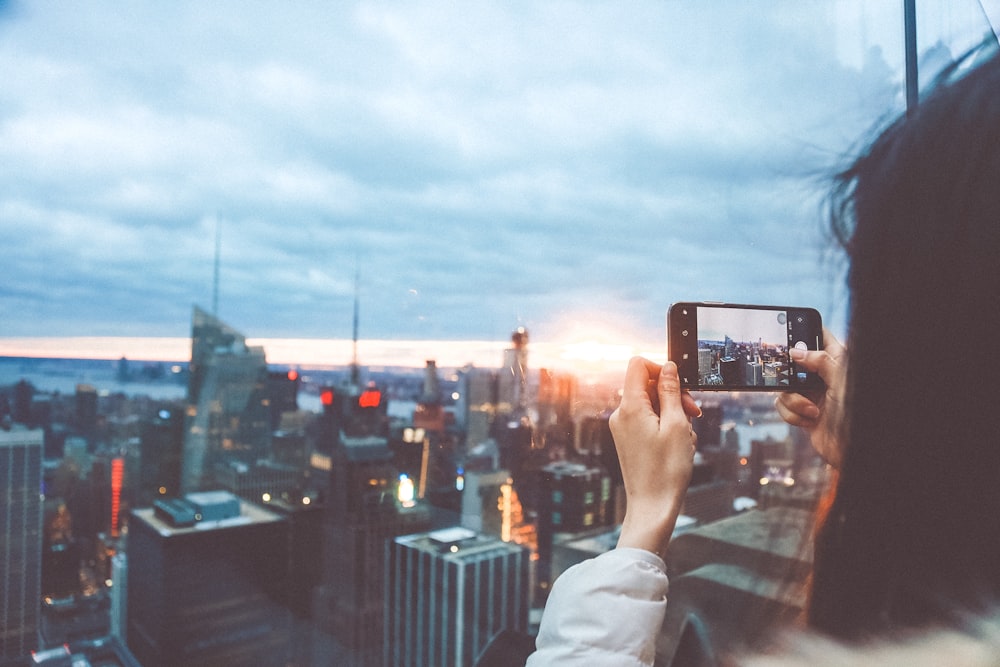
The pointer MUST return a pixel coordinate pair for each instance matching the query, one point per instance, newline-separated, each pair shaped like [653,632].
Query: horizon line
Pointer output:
[585,357]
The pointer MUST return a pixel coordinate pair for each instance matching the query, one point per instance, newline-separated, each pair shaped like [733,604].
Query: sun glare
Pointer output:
[583,347]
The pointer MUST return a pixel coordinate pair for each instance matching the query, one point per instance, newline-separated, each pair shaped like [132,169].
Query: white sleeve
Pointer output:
[604,612]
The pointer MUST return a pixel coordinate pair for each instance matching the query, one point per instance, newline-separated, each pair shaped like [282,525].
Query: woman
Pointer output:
[912,538]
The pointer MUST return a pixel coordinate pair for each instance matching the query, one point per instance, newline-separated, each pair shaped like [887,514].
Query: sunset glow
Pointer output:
[581,356]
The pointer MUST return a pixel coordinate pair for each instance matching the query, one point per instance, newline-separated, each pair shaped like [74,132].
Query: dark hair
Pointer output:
[912,537]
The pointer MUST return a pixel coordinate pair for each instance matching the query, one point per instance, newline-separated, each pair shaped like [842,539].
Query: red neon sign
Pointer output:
[117,476]
[326,397]
[370,398]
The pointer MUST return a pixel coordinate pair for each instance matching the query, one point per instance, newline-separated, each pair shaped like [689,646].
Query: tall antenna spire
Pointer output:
[910,52]
[355,370]
[215,274]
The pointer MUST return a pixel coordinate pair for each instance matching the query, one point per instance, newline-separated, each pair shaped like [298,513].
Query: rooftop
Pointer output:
[249,514]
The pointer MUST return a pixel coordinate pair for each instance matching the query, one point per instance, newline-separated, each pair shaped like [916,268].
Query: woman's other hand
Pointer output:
[656,446]
[819,414]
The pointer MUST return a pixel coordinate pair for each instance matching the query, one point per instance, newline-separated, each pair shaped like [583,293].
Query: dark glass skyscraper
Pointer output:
[363,513]
[20,541]
[227,413]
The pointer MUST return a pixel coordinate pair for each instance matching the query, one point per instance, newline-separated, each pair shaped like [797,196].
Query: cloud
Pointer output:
[478,166]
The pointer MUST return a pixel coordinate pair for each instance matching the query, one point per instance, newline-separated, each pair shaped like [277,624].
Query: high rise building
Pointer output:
[305,562]
[227,414]
[206,578]
[24,393]
[598,449]
[440,456]
[514,427]
[449,593]
[706,363]
[477,406]
[119,595]
[85,410]
[20,541]
[483,507]
[262,481]
[282,394]
[513,388]
[573,498]
[731,371]
[556,394]
[364,511]
[157,472]
[354,551]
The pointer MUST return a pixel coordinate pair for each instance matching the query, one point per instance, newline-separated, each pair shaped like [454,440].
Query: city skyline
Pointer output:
[585,356]
[743,326]
[550,167]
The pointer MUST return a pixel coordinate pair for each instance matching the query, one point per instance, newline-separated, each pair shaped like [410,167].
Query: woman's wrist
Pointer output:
[649,525]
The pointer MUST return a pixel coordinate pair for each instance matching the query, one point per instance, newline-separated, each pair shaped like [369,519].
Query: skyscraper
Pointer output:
[448,593]
[206,581]
[477,406]
[363,513]
[355,548]
[119,595]
[158,469]
[573,498]
[513,389]
[227,413]
[85,410]
[20,541]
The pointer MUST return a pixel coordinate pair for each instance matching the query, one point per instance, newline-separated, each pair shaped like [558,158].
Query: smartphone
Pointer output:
[737,347]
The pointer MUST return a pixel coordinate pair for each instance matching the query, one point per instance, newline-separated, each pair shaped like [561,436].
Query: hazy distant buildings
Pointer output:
[433,432]
[206,578]
[513,379]
[477,406]
[85,404]
[282,395]
[158,469]
[448,593]
[557,393]
[20,541]
[227,414]
[486,503]
[597,447]
[708,427]
[262,481]
[119,596]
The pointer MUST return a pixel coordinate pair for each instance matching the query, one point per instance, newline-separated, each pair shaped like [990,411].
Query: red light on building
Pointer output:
[293,375]
[326,397]
[117,476]
[370,398]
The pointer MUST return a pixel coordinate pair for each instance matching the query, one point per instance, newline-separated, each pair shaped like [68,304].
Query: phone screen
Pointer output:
[730,347]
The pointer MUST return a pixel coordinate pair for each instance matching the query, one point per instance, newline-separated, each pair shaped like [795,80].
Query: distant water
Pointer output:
[63,375]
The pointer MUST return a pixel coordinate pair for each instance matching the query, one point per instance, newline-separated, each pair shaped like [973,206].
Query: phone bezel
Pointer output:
[678,344]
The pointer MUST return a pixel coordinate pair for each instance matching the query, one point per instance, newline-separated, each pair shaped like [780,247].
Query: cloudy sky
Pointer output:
[569,167]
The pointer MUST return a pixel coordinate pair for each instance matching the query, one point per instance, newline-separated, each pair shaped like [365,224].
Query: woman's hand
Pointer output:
[656,446]
[819,415]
